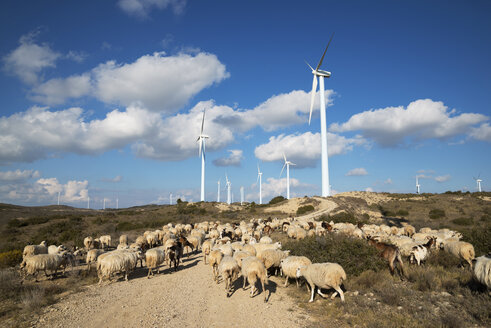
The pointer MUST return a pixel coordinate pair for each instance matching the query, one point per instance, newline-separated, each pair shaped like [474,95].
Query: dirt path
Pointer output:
[188,297]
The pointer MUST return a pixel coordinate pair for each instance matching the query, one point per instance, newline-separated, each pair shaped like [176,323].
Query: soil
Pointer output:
[186,298]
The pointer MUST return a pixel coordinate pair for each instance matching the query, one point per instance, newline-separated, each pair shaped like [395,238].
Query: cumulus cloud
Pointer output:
[234,159]
[273,187]
[18,175]
[422,119]
[57,91]
[29,59]
[141,8]
[304,149]
[357,172]
[72,191]
[483,132]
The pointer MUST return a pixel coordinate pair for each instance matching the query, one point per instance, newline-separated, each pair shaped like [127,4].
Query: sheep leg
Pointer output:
[264,291]
[149,272]
[286,282]
[243,286]
[320,293]
[340,291]
[312,294]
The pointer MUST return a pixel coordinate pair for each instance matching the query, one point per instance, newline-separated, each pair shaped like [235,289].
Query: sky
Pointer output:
[104,99]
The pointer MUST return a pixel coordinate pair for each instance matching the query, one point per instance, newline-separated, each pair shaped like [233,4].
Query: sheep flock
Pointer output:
[245,249]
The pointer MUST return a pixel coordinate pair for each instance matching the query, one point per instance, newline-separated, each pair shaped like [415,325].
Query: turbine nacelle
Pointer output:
[320,72]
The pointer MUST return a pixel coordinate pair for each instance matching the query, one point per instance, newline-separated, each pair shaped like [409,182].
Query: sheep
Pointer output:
[265,240]
[227,250]
[142,242]
[482,270]
[461,249]
[323,275]
[105,241]
[123,240]
[262,247]
[215,259]
[290,265]
[116,261]
[250,249]
[237,246]
[88,242]
[272,258]
[154,257]
[409,230]
[92,256]
[30,250]
[152,239]
[252,270]
[420,252]
[174,254]
[206,248]
[31,265]
[195,241]
[229,271]
[53,249]
[238,256]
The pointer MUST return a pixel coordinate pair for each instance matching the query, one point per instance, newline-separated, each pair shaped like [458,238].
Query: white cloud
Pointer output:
[233,159]
[388,181]
[274,187]
[72,191]
[29,59]
[18,175]
[304,149]
[57,91]
[442,178]
[116,179]
[422,119]
[141,8]
[482,133]
[357,172]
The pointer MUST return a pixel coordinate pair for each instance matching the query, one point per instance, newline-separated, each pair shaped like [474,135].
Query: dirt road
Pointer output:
[187,298]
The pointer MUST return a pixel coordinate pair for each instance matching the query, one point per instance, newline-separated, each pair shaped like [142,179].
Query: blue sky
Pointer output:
[105,98]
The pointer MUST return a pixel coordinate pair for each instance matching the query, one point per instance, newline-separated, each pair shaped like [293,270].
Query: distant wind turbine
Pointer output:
[218,195]
[117,203]
[202,145]
[324,164]
[287,164]
[104,203]
[228,184]
[88,202]
[58,198]
[241,195]
[417,186]
[478,181]
[170,199]
[259,178]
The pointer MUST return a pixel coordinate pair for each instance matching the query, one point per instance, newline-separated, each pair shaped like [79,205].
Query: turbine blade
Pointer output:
[258,171]
[284,157]
[203,122]
[257,180]
[309,65]
[282,169]
[312,96]
[322,58]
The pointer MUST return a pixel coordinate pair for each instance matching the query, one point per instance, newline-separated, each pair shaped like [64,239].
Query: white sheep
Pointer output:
[461,249]
[105,241]
[30,250]
[92,256]
[154,257]
[123,240]
[265,240]
[229,271]
[152,238]
[482,270]
[272,258]
[53,249]
[31,265]
[215,259]
[250,249]
[88,242]
[115,262]
[239,256]
[290,265]
[206,248]
[323,275]
[262,247]
[252,270]
[227,250]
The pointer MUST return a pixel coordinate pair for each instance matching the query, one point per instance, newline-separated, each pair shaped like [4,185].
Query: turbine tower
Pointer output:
[104,204]
[241,195]
[324,158]
[170,199]
[218,195]
[228,184]
[58,198]
[259,178]
[117,203]
[88,202]
[417,186]
[478,181]
[287,164]
[202,144]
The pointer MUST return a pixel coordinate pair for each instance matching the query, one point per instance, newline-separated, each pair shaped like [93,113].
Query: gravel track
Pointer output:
[188,297]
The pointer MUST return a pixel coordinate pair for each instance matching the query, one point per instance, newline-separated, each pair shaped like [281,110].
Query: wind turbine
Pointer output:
[58,198]
[202,145]
[478,181]
[117,203]
[287,164]
[228,184]
[104,204]
[218,195]
[170,199]
[259,178]
[88,202]
[417,186]
[241,195]
[324,157]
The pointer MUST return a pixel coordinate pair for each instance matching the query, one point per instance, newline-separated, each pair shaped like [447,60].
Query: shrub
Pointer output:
[33,299]
[276,200]
[463,221]
[127,226]
[354,255]
[402,212]
[480,238]
[304,209]
[10,258]
[436,213]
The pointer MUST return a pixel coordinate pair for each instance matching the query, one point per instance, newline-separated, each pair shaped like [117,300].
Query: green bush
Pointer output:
[402,212]
[480,238]
[305,209]
[127,226]
[436,213]
[463,221]
[276,200]
[347,217]
[354,255]
[10,258]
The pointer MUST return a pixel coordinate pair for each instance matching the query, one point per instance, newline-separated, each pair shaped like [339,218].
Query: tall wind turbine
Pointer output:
[228,184]
[218,195]
[259,178]
[202,145]
[478,181]
[287,164]
[324,163]
[417,185]
[241,195]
